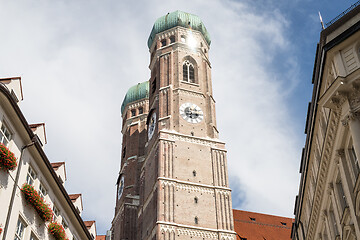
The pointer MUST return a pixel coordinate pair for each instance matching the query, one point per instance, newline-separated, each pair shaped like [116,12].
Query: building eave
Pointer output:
[39,149]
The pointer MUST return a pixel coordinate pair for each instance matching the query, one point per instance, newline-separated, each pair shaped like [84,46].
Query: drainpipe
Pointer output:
[15,186]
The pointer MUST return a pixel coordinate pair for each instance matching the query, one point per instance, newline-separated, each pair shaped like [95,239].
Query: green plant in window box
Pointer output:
[33,198]
[7,159]
[57,231]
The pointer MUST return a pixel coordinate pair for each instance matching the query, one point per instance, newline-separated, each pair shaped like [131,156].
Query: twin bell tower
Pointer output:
[173,181]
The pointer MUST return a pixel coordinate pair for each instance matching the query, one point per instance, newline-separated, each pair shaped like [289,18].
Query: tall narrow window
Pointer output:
[355,161]
[133,112]
[196,200]
[163,43]
[194,173]
[5,135]
[56,212]
[188,72]
[42,191]
[64,222]
[31,176]
[333,223]
[141,110]
[196,220]
[341,195]
[19,230]
[124,152]
[153,86]
[172,39]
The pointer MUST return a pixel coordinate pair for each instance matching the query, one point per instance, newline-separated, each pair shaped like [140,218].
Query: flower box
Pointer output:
[33,197]
[0,231]
[7,158]
[57,231]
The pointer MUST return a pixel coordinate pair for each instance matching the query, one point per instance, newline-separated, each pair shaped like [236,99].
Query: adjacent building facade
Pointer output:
[173,182]
[328,204]
[20,217]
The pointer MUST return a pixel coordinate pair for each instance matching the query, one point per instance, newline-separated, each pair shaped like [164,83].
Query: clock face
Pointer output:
[152,125]
[121,187]
[191,112]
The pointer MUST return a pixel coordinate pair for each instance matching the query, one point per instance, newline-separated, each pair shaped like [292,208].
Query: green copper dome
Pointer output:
[137,92]
[178,18]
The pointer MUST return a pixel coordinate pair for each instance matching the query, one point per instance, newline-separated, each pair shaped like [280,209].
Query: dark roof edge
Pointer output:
[324,33]
[5,91]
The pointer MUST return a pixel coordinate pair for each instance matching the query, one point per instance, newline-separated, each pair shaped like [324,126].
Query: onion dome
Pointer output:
[135,93]
[178,18]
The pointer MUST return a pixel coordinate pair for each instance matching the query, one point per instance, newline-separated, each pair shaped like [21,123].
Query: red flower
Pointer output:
[32,197]
[0,230]
[7,159]
[57,231]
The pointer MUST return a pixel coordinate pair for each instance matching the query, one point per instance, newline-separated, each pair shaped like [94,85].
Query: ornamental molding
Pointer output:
[354,98]
[340,152]
[323,172]
[227,236]
[187,230]
[175,136]
[196,186]
[197,233]
[351,116]
[167,228]
[137,104]
[192,188]
[189,92]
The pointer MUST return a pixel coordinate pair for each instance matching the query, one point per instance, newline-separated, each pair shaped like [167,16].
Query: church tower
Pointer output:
[182,177]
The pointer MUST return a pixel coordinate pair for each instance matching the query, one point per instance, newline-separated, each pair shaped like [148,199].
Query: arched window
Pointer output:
[188,72]
[196,220]
[196,200]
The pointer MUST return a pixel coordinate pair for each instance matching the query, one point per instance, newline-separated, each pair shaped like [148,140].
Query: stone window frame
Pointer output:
[20,229]
[189,63]
[42,191]
[31,175]
[56,212]
[6,135]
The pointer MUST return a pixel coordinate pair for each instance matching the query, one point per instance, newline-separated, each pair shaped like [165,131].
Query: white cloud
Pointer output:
[78,59]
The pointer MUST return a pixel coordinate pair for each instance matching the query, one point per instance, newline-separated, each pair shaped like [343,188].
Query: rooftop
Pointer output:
[178,18]
[258,226]
[135,93]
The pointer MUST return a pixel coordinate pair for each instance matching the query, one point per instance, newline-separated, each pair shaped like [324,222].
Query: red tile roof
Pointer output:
[73,197]
[56,165]
[257,226]
[36,125]
[100,237]
[88,224]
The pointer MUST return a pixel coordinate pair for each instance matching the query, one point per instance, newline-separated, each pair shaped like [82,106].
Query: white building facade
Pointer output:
[328,204]
[18,217]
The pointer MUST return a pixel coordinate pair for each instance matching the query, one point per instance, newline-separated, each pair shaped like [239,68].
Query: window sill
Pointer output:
[194,84]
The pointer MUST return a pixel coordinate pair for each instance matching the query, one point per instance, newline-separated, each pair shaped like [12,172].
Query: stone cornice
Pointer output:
[175,136]
[195,228]
[199,185]
[189,92]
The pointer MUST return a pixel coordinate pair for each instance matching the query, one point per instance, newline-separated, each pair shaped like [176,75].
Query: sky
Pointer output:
[78,58]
